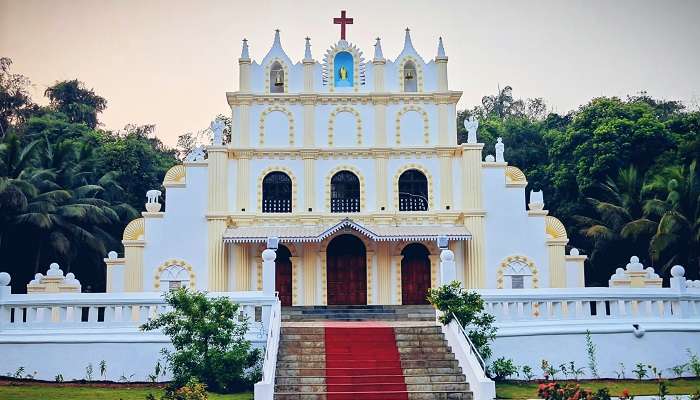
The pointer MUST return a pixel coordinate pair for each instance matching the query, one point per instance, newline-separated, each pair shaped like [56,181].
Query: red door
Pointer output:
[415,275]
[283,276]
[346,271]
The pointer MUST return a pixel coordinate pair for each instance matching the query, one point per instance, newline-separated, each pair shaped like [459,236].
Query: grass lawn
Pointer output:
[528,390]
[49,392]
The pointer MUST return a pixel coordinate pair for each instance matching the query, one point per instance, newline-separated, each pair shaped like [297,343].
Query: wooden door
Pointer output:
[283,276]
[415,277]
[346,271]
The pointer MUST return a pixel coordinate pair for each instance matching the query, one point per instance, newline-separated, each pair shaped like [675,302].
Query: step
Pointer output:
[418,379]
[411,395]
[372,387]
[410,367]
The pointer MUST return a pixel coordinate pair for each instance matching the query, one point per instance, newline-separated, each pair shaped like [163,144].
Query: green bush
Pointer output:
[503,368]
[209,342]
[468,308]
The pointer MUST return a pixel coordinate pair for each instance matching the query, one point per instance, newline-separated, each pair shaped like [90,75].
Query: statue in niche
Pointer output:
[471,125]
[343,73]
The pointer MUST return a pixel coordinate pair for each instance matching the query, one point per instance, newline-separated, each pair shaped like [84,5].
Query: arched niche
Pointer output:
[344,69]
[277,77]
[410,77]
[276,128]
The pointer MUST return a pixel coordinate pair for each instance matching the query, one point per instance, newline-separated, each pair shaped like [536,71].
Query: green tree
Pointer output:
[79,104]
[15,102]
[209,342]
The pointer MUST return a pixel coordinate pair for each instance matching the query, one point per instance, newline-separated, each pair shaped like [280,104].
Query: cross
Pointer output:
[342,21]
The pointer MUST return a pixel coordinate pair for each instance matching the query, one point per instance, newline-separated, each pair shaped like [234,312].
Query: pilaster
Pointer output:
[396,262]
[217,164]
[471,167]
[309,121]
[295,260]
[244,74]
[309,158]
[441,63]
[474,254]
[444,123]
[218,271]
[381,181]
[445,156]
[434,270]
[556,249]
[308,75]
[244,111]
[380,122]
[309,260]
[384,273]
[378,73]
[133,271]
[243,171]
[242,267]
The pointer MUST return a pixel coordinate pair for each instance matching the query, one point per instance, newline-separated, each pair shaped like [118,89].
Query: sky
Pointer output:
[169,63]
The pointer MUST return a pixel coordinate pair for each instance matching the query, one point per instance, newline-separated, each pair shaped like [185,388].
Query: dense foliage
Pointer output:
[68,188]
[209,342]
[622,174]
[468,307]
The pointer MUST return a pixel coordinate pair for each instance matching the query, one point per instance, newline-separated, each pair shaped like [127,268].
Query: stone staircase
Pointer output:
[358,313]
[328,358]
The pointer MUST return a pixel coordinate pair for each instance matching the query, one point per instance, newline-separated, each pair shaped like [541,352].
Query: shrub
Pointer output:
[527,372]
[591,349]
[209,342]
[554,391]
[693,363]
[503,368]
[640,371]
[468,308]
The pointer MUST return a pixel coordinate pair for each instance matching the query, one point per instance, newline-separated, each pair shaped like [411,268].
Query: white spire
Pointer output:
[441,49]
[407,44]
[244,51]
[276,42]
[378,55]
[307,50]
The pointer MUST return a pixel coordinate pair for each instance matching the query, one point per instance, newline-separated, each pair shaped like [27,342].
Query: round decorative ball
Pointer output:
[4,279]
[447,255]
[677,271]
[634,259]
[112,255]
[574,251]
[70,276]
[269,255]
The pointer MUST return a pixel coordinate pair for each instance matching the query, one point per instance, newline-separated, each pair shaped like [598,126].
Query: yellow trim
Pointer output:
[426,122]
[368,268]
[419,72]
[175,176]
[515,176]
[268,69]
[135,230]
[243,98]
[554,228]
[524,259]
[418,167]
[261,126]
[265,172]
[358,123]
[169,263]
[357,173]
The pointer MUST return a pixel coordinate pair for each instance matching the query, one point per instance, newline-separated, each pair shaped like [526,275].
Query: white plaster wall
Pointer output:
[232,185]
[509,230]
[457,183]
[182,232]
[663,349]
[276,130]
[412,129]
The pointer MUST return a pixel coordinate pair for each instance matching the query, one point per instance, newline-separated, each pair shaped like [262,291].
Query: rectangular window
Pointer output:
[517,282]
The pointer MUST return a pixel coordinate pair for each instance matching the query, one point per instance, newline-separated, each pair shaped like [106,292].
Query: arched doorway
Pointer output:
[346,271]
[283,275]
[415,274]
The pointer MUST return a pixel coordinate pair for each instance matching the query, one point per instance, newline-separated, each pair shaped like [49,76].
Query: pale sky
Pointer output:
[171,62]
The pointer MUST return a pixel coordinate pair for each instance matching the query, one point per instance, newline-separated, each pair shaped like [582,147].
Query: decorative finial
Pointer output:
[407,44]
[307,50]
[378,55]
[276,42]
[244,52]
[441,49]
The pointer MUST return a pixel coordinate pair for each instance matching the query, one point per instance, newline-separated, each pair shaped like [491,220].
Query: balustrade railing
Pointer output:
[113,310]
[277,206]
[345,205]
[590,304]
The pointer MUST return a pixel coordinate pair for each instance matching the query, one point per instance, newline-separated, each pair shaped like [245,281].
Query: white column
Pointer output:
[447,267]
[268,267]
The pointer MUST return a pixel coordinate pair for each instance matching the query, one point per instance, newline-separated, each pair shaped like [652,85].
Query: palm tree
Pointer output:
[677,237]
[619,226]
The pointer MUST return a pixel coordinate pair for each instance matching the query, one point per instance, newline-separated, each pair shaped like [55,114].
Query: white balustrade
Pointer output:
[591,303]
[264,390]
[114,310]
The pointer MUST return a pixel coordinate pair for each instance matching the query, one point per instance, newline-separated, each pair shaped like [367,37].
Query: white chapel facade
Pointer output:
[354,165]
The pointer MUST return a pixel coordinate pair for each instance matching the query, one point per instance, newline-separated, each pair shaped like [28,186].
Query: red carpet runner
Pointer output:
[363,363]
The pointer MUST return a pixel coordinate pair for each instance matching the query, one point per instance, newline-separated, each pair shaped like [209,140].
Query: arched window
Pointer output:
[413,191]
[410,78]
[345,192]
[276,78]
[276,193]
[174,277]
[517,275]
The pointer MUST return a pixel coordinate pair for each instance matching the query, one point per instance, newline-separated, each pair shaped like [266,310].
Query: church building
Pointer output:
[353,165]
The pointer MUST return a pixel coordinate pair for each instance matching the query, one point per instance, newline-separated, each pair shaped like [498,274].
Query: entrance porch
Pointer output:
[344,264]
